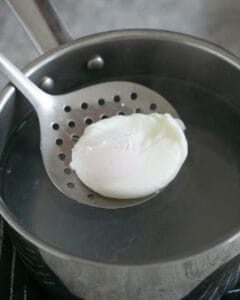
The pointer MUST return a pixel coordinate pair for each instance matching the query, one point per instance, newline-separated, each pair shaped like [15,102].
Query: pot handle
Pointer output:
[42,23]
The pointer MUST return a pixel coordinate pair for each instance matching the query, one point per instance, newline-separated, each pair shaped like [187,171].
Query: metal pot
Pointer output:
[161,249]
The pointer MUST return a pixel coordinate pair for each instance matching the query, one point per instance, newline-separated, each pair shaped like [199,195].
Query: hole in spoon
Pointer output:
[67,171]
[104,117]
[59,142]
[84,105]
[133,96]
[88,121]
[75,137]
[138,110]
[67,108]
[153,106]
[116,98]
[101,102]
[61,156]
[71,124]
[70,185]
[55,126]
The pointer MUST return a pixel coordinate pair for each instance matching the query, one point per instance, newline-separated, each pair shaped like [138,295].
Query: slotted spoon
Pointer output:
[63,118]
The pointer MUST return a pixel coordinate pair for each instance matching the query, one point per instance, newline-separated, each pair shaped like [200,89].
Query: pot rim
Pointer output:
[92,39]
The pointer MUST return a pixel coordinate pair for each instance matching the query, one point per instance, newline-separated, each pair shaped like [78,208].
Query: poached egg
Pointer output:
[126,157]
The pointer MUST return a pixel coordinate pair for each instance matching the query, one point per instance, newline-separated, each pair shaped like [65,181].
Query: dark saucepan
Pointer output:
[165,247]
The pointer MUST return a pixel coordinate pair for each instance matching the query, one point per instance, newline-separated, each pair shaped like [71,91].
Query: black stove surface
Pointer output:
[16,283]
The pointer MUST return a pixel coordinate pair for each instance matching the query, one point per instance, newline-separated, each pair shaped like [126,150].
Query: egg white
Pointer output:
[133,156]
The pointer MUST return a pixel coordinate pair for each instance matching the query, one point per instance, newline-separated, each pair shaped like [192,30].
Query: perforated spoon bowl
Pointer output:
[62,120]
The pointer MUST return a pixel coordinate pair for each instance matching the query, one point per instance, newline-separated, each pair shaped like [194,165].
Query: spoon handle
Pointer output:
[33,93]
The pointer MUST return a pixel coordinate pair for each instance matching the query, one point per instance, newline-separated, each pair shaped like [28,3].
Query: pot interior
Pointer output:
[197,210]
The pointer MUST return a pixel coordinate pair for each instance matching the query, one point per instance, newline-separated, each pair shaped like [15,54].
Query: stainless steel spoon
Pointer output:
[62,120]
